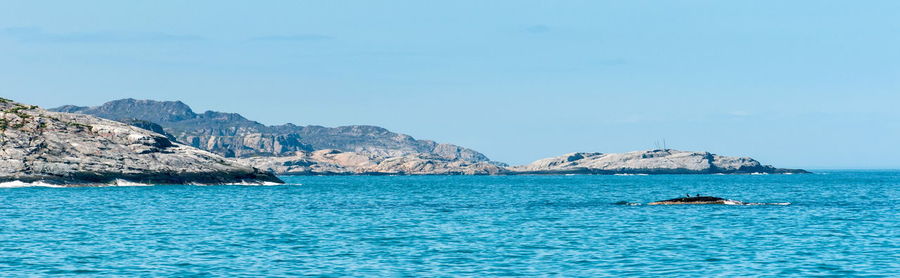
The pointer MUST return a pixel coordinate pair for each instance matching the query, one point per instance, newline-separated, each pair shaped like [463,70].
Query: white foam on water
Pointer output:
[244,183]
[19,184]
[739,203]
[767,204]
[265,183]
[121,182]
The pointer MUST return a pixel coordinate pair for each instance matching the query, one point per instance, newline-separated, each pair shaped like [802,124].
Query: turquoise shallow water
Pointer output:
[840,223]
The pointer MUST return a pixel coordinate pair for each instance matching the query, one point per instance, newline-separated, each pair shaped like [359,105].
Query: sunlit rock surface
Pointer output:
[73,149]
[335,162]
[232,135]
[666,161]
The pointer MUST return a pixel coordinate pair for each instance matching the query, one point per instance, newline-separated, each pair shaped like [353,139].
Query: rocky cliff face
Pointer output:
[335,162]
[226,134]
[232,135]
[73,149]
[648,162]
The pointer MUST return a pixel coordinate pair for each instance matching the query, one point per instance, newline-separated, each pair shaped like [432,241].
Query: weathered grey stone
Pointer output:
[358,149]
[648,162]
[74,149]
[335,162]
[232,135]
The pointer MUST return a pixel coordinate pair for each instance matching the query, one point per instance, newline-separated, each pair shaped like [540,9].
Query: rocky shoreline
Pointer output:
[652,162]
[142,142]
[68,149]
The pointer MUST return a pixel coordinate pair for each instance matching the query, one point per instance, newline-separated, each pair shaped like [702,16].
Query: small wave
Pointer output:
[265,183]
[726,202]
[19,184]
[244,183]
[739,203]
[121,182]
[631,174]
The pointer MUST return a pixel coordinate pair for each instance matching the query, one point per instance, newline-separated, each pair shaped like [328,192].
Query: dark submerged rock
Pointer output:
[692,200]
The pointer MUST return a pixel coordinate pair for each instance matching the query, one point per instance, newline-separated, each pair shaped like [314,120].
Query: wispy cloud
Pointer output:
[293,38]
[38,35]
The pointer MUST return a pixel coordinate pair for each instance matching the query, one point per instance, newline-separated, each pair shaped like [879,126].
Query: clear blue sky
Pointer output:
[793,83]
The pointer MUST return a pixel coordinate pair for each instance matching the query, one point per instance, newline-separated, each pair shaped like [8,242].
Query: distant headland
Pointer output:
[167,142]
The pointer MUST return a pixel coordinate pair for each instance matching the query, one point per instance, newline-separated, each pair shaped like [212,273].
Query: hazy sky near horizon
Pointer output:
[812,84]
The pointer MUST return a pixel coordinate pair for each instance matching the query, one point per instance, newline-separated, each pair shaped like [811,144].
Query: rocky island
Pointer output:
[37,145]
[370,150]
[336,162]
[661,161]
[697,200]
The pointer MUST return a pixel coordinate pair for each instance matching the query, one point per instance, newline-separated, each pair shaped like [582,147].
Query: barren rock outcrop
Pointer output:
[232,135]
[648,162]
[359,149]
[74,149]
[335,162]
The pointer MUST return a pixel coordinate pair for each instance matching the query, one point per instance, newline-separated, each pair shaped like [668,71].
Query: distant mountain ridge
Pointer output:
[370,150]
[232,135]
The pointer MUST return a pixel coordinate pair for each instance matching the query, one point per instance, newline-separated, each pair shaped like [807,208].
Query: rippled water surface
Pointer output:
[839,223]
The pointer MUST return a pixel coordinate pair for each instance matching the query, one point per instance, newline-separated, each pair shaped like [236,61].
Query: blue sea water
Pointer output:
[839,223]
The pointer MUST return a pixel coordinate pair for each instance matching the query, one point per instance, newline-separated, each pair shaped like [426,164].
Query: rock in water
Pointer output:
[699,200]
[649,162]
[73,149]
[335,162]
